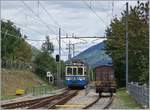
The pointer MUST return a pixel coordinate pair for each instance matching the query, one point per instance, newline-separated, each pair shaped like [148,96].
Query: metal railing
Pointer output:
[140,93]
[10,64]
[39,90]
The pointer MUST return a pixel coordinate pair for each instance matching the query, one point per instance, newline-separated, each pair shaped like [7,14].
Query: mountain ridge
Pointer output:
[95,56]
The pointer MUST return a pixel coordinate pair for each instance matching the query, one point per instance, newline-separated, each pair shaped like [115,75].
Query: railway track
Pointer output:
[100,103]
[42,102]
[51,102]
[103,102]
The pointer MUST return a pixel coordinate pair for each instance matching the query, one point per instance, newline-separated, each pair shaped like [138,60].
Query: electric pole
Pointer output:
[73,47]
[69,55]
[5,42]
[126,40]
[59,65]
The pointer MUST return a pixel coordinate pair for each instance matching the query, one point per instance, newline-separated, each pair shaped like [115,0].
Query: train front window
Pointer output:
[69,71]
[74,71]
[80,71]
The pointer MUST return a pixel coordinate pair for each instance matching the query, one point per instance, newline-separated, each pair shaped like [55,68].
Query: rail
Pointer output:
[106,104]
[62,99]
[30,103]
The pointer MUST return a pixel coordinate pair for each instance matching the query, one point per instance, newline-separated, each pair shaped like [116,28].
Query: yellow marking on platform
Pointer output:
[71,106]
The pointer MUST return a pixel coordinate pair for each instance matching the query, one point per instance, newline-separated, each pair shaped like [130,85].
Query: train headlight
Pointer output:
[81,78]
[68,78]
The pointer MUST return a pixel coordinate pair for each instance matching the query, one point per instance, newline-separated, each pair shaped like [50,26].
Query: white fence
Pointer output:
[140,93]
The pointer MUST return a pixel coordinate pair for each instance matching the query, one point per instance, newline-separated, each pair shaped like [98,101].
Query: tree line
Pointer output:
[138,38]
[14,47]
[13,44]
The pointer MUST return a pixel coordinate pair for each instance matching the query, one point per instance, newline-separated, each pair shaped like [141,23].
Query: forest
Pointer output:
[15,48]
[138,41]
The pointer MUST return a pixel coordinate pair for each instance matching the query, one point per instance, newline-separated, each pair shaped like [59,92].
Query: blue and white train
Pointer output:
[76,75]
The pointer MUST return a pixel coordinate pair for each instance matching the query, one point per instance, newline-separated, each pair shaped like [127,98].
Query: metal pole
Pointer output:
[57,76]
[73,49]
[126,39]
[69,55]
[5,42]
[59,53]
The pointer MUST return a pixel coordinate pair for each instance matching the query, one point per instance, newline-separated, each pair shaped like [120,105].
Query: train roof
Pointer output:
[103,66]
[75,64]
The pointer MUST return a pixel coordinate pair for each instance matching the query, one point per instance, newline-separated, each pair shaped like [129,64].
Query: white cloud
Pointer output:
[73,17]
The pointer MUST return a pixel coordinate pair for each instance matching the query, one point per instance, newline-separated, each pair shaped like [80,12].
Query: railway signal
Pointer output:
[57,58]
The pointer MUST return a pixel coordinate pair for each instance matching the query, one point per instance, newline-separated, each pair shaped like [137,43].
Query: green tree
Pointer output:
[44,61]
[47,46]
[138,44]
[13,45]
[24,52]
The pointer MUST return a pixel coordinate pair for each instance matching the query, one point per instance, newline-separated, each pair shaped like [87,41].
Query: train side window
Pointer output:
[69,71]
[80,71]
[74,71]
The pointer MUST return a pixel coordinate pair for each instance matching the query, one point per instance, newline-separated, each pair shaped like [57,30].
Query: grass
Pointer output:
[128,101]
[19,79]
[8,97]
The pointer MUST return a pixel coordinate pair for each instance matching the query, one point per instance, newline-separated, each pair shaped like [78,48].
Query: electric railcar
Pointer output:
[76,75]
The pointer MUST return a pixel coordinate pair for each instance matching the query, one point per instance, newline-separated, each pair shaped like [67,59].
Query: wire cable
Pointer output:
[39,17]
[94,12]
[25,38]
[51,17]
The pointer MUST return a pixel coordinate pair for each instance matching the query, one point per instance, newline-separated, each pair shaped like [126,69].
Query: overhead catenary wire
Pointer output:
[49,14]
[94,12]
[42,20]
[46,12]
[32,17]
[26,38]
[52,31]
[39,18]
[25,27]
[51,17]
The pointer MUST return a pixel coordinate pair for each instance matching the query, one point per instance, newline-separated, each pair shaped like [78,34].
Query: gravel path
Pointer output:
[101,103]
[81,100]
[84,98]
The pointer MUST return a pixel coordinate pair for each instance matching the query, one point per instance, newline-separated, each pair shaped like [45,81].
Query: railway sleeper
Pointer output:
[62,100]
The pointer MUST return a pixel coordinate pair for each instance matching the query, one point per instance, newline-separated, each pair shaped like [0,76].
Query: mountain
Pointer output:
[95,56]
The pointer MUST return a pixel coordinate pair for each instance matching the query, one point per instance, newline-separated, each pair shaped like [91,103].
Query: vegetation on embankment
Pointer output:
[16,49]
[124,101]
[18,79]
[14,45]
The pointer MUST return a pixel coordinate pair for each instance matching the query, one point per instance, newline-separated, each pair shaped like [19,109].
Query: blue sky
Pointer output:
[72,16]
